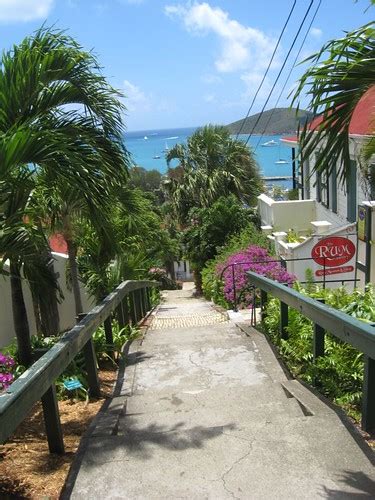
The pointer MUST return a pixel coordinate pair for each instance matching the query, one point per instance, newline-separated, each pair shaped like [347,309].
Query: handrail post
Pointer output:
[125,310]
[137,302]
[90,363]
[234,290]
[263,304]
[108,334]
[284,320]
[368,398]
[133,312]
[142,302]
[318,339]
[52,421]
[148,299]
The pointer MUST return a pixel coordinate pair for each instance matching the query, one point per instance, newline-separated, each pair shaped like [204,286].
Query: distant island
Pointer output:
[283,121]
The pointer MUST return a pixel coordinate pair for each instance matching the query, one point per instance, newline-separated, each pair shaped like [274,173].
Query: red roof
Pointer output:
[58,244]
[362,122]
[363,118]
[290,140]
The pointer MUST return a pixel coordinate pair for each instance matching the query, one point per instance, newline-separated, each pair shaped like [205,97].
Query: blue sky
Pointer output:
[184,63]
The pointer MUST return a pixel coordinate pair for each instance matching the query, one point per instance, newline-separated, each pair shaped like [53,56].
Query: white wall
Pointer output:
[284,215]
[326,214]
[66,308]
[304,251]
[179,269]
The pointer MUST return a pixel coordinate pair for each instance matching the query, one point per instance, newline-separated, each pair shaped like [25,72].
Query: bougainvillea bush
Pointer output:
[253,258]
[7,367]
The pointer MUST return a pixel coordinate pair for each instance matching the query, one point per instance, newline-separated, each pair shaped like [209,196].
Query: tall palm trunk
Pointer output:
[72,254]
[49,311]
[21,323]
[170,269]
[198,281]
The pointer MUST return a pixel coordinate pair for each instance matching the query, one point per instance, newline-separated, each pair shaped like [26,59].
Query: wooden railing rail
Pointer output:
[357,333]
[38,382]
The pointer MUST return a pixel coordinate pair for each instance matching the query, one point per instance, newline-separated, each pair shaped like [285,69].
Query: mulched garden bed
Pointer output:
[27,469]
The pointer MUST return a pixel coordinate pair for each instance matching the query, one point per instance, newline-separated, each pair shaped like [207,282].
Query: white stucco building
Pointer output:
[327,210]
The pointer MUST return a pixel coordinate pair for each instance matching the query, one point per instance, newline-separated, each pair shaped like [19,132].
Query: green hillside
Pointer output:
[283,121]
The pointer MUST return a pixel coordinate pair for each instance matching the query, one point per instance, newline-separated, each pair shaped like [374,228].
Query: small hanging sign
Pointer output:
[362,223]
[72,384]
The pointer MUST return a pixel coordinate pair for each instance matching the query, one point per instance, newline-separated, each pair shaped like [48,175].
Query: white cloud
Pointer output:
[131,2]
[135,98]
[316,32]
[241,46]
[209,98]
[210,79]
[24,10]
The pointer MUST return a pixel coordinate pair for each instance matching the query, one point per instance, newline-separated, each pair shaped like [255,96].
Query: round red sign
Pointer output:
[333,251]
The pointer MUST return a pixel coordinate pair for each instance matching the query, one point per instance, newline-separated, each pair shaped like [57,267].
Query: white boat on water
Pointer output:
[281,162]
[270,143]
[156,157]
[145,138]
[166,149]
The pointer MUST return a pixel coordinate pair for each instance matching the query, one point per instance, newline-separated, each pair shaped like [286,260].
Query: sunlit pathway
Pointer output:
[205,411]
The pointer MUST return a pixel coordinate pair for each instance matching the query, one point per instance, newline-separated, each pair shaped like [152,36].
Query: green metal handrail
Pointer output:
[130,303]
[357,333]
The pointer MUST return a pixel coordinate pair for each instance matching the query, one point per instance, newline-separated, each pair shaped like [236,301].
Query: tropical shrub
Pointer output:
[252,247]
[159,274]
[209,230]
[253,258]
[120,337]
[338,374]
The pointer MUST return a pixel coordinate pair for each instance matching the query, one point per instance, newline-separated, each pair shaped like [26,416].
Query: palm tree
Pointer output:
[140,241]
[58,116]
[211,165]
[337,78]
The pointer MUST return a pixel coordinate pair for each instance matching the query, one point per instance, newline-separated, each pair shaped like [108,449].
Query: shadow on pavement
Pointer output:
[358,481]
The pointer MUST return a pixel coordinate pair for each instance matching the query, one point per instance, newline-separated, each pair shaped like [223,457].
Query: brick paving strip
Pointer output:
[205,411]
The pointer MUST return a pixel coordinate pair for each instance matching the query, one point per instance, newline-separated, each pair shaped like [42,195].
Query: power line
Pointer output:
[268,67]
[281,69]
[290,72]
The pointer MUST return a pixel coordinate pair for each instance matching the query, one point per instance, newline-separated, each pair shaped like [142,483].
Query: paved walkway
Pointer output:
[205,412]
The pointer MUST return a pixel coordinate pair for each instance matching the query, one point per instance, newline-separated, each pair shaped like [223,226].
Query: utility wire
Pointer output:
[268,67]
[290,72]
[281,69]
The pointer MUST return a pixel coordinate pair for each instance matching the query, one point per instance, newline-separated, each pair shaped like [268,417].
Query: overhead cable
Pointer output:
[290,72]
[268,67]
[281,70]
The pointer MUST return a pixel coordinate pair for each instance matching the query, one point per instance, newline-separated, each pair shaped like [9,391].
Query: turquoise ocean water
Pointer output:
[146,145]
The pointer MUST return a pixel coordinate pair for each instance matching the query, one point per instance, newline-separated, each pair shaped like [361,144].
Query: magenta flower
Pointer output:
[7,365]
[254,259]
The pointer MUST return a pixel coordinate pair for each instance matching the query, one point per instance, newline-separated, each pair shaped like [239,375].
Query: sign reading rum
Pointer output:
[333,253]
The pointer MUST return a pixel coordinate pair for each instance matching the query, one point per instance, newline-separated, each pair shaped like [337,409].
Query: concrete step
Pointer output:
[308,400]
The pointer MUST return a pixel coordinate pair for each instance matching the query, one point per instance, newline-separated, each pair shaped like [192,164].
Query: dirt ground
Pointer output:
[27,469]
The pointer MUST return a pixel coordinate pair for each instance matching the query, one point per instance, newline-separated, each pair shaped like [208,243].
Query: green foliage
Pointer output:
[213,287]
[211,227]
[339,374]
[139,242]
[148,181]
[120,337]
[336,79]
[212,165]
[292,194]
[59,118]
